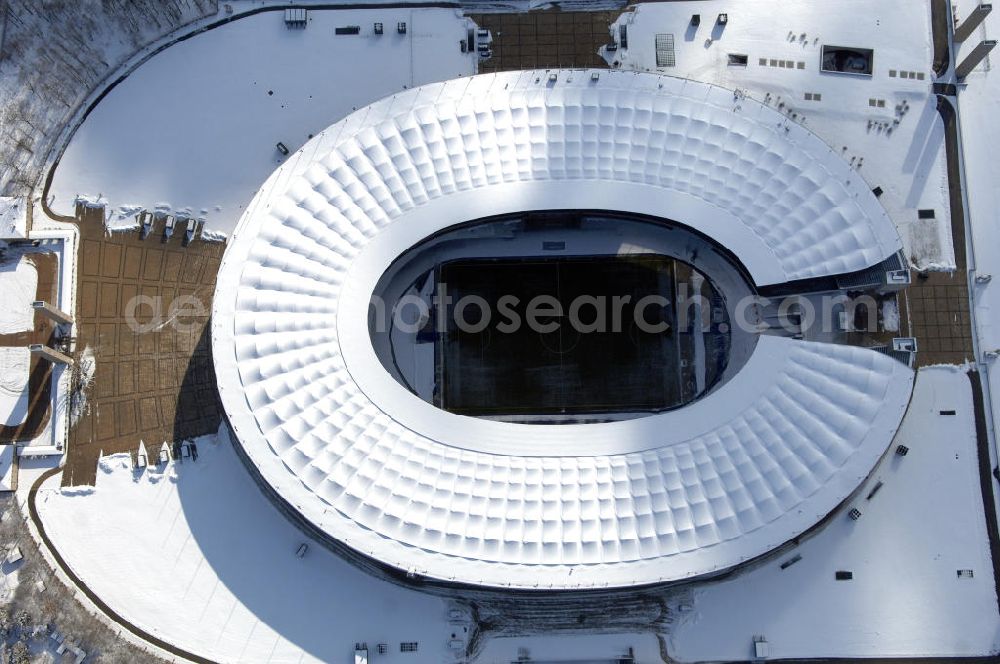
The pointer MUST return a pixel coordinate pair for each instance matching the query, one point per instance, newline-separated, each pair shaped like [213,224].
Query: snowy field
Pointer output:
[977,102]
[908,162]
[924,524]
[14,363]
[227,583]
[194,129]
[55,53]
[195,554]
[18,284]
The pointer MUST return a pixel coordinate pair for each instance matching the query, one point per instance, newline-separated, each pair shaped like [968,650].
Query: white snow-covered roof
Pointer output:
[670,496]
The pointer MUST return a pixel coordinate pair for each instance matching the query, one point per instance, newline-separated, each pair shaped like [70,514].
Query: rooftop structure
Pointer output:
[674,495]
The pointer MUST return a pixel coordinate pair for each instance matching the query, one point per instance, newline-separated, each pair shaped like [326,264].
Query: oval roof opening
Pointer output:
[552,317]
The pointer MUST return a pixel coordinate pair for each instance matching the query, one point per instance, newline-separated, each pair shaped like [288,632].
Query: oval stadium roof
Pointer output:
[671,496]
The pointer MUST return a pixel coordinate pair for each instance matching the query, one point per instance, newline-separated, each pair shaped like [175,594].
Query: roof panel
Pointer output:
[671,496]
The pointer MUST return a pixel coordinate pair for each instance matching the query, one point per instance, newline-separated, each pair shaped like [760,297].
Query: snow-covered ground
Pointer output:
[13,216]
[855,115]
[194,129]
[8,576]
[18,283]
[925,523]
[890,316]
[977,103]
[14,363]
[55,53]
[195,554]
[87,365]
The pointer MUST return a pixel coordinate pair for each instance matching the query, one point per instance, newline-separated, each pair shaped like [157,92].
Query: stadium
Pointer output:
[680,444]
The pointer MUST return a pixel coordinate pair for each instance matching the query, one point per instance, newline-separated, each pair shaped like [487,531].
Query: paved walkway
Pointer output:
[938,302]
[154,380]
[545,39]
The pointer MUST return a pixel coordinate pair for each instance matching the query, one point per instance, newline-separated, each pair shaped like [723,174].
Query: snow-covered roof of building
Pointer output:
[671,496]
